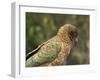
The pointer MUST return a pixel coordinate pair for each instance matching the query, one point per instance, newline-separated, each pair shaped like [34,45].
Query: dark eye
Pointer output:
[74,34]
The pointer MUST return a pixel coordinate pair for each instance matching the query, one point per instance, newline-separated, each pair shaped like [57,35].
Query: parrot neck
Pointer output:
[64,37]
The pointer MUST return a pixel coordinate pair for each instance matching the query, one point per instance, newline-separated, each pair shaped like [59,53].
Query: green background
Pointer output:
[42,26]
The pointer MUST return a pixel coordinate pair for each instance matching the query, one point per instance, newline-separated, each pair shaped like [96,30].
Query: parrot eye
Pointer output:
[73,35]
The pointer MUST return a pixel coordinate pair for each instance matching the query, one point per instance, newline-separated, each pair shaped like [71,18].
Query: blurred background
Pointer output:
[42,26]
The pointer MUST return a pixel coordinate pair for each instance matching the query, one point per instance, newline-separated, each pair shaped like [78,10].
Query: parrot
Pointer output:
[54,52]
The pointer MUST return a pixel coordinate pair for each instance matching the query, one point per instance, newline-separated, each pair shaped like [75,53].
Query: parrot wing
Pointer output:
[47,53]
[28,55]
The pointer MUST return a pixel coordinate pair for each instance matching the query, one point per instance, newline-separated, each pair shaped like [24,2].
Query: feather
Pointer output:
[54,51]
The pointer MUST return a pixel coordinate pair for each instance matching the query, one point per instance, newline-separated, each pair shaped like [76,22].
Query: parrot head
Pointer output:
[69,34]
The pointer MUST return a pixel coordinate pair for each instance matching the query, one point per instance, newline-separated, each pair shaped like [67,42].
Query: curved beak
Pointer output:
[76,41]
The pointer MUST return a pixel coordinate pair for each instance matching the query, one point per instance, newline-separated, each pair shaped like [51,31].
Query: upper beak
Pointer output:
[76,41]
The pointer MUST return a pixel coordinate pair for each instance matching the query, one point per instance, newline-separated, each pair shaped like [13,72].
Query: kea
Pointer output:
[54,51]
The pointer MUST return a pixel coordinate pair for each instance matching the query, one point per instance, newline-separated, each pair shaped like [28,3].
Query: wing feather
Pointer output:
[47,53]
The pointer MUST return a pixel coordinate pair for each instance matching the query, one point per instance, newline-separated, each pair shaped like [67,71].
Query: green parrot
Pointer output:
[56,50]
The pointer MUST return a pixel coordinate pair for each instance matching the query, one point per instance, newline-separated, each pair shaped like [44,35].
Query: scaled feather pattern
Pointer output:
[56,50]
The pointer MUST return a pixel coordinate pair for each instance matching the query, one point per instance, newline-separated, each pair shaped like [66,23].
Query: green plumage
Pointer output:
[56,50]
[47,53]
